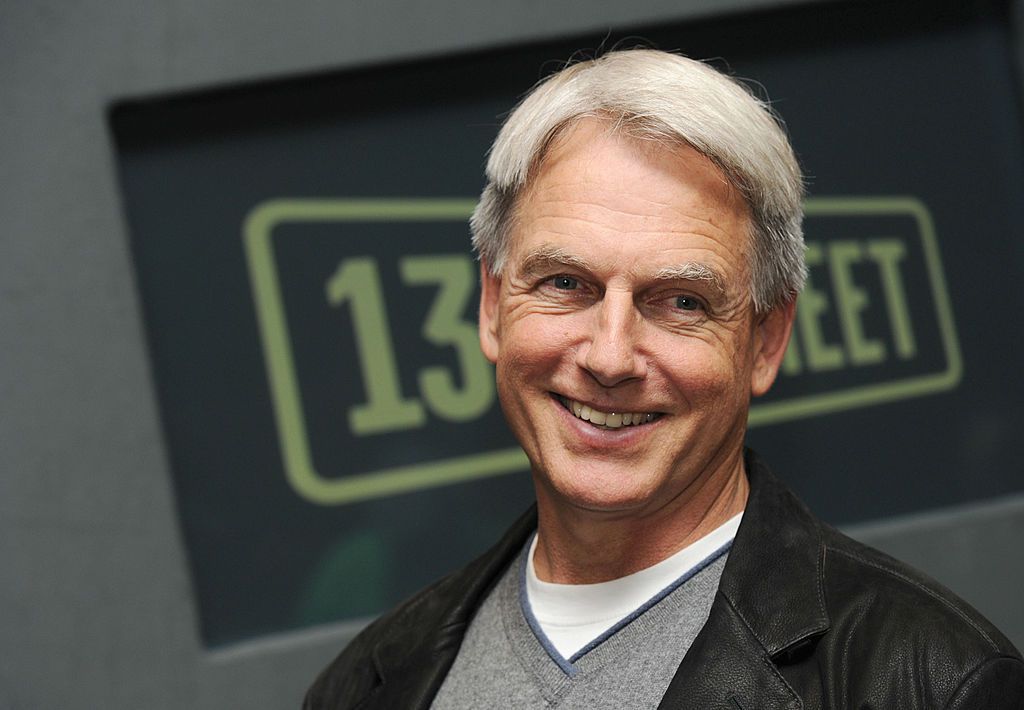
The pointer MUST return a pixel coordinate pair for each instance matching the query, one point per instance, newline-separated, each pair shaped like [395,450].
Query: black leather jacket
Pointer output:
[804,617]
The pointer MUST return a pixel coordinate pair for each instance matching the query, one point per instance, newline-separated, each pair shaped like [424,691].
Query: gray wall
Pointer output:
[95,603]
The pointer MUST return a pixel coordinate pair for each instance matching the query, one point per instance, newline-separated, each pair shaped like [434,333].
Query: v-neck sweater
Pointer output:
[506,662]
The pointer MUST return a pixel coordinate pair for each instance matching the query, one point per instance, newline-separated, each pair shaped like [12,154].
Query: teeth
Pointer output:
[608,420]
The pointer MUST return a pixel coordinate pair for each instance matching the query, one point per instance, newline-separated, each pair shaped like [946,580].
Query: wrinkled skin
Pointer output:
[627,289]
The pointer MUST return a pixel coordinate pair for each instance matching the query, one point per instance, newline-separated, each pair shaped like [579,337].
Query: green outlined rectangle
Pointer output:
[283,378]
[896,389]
[280,361]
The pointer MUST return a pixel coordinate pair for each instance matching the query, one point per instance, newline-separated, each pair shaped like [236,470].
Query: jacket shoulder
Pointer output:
[353,673]
[854,570]
[902,619]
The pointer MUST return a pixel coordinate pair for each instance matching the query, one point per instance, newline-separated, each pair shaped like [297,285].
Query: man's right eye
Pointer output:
[564,283]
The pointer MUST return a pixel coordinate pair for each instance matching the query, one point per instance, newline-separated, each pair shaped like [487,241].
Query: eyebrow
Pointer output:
[692,271]
[546,258]
[541,260]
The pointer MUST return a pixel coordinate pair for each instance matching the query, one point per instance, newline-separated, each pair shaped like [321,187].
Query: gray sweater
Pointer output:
[506,662]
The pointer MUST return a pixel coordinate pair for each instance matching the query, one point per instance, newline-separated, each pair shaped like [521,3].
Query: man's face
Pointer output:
[625,301]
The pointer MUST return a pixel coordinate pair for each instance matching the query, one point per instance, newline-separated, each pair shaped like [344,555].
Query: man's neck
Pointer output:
[576,546]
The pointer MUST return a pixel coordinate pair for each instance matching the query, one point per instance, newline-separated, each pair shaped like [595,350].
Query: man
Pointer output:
[641,254]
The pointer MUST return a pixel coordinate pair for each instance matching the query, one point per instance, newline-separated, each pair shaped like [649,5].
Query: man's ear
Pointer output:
[771,336]
[490,291]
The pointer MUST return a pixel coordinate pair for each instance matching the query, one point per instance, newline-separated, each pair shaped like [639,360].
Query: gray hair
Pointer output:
[664,97]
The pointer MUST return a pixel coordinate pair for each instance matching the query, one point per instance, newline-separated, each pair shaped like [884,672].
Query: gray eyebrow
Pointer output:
[692,271]
[541,259]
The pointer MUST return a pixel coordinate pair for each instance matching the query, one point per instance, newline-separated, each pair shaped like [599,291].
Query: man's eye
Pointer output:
[687,303]
[564,283]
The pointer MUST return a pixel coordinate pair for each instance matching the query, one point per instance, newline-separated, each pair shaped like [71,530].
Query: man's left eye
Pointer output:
[687,303]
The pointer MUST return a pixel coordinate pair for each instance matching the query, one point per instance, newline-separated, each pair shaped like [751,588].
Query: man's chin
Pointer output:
[589,496]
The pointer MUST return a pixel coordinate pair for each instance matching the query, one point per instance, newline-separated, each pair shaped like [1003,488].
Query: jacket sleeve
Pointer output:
[346,681]
[996,684]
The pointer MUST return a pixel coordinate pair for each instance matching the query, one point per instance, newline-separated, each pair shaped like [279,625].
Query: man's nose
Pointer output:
[611,353]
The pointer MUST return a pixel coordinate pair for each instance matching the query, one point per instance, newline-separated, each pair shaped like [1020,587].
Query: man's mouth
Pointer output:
[607,420]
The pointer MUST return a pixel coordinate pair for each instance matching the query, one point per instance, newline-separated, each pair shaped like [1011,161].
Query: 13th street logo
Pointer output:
[367,313]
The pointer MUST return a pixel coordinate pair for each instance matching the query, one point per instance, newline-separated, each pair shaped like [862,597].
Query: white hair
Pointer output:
[655,95]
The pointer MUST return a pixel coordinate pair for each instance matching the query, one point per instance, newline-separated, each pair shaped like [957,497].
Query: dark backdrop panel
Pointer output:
[273,225]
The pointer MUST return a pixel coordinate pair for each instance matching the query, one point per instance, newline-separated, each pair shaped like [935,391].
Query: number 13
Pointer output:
[357,281]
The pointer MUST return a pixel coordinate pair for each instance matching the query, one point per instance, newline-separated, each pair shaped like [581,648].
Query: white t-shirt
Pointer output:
[573,615]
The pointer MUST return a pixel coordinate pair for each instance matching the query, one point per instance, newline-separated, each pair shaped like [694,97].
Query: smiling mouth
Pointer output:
[606,420]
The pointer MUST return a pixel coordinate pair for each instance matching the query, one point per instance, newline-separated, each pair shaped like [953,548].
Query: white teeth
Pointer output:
[609,420]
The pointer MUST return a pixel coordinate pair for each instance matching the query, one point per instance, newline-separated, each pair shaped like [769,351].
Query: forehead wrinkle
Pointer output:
[649,216]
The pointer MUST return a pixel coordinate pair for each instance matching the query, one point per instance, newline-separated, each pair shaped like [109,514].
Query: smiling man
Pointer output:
[641,255]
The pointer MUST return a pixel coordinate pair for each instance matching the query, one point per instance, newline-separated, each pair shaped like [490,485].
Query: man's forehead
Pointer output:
[580,137]
[595,166]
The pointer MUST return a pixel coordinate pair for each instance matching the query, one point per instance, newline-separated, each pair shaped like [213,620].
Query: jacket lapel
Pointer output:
[770,606]
[411,664]
[727,668]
